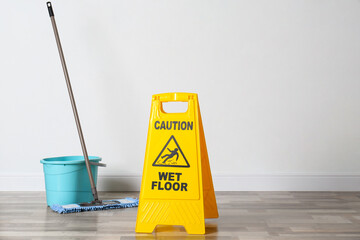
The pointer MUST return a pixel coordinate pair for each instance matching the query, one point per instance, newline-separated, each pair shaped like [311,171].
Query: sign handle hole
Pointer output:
[175,107]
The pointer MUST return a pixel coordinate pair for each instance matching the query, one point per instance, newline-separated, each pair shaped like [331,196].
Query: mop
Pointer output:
[96,204]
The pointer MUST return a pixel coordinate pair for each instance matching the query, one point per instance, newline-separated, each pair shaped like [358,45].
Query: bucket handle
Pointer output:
[98,164]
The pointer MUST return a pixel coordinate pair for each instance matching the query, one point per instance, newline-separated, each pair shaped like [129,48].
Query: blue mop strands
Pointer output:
[71,208]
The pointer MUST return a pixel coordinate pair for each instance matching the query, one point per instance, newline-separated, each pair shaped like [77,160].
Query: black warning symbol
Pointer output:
[171,155]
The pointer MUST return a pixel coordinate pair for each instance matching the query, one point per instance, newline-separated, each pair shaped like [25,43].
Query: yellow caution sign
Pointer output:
[176,186]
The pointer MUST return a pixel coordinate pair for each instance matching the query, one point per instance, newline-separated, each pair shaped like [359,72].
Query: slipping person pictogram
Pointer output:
[171,155]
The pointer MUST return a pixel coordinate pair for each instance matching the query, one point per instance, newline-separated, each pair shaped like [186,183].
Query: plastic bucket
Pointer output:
[66,179]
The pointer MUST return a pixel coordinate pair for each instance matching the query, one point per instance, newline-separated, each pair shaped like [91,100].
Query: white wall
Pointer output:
[278,84]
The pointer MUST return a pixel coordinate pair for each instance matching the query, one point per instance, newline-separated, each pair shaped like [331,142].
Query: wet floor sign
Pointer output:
[176,186]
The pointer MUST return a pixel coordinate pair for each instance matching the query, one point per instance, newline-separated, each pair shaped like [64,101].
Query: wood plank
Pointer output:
[243,215]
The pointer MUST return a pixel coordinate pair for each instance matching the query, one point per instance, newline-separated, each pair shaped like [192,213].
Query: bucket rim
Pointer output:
[73,159]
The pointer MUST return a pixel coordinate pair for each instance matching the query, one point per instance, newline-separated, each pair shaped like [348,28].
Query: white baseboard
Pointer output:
[275,182]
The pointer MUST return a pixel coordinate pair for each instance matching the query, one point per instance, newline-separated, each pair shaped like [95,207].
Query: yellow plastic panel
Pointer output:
[176,174]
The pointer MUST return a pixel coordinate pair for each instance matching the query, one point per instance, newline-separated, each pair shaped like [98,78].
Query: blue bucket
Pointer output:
[66,179]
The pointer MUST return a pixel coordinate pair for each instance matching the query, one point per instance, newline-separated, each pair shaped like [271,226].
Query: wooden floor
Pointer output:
[243,215]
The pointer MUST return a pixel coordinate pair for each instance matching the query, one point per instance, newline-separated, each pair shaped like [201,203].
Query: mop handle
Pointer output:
[86,157]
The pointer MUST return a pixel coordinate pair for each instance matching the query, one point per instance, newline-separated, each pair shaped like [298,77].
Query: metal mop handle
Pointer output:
[86,157]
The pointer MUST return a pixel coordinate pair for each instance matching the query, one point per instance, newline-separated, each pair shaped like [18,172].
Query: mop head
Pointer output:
[106,204]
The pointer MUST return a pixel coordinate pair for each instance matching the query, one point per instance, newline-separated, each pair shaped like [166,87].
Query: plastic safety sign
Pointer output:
[176,186]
